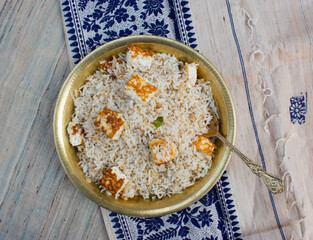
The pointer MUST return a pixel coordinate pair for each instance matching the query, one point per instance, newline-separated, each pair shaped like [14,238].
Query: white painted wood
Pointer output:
[37,199]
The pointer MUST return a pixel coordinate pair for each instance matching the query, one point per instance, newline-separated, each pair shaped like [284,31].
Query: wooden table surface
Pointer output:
[37,199]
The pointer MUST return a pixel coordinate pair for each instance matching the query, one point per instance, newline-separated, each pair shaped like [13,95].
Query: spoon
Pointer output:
[274,184]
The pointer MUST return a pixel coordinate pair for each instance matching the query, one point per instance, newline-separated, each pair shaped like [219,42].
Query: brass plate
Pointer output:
[139,207]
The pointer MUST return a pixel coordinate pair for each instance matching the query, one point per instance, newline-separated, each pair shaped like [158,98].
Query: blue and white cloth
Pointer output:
[91,23]
[212,217]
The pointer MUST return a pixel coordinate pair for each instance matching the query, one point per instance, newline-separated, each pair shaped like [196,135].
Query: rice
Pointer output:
[185,113]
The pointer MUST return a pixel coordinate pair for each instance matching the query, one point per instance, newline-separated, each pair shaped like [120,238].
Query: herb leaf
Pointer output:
[104,73]
[158,122]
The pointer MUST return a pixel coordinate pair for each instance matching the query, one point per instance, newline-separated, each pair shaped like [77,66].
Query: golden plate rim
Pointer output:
[120,208]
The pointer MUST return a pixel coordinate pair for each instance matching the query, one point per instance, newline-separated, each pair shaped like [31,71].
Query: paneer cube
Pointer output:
[75,131]
[139,58]
[110,122]
[114,181]
[191,74]
[139,89]
[205,145]
[163,151]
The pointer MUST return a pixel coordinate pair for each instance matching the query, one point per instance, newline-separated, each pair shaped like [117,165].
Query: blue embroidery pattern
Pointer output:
[298,109]
[213,217]
[152,6]
[89,24]
[158,28]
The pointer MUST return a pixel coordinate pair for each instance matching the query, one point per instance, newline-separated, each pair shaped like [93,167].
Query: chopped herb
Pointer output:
[104,73]
[158,122]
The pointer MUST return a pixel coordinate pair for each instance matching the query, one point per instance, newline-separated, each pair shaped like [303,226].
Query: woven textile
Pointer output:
[89,24]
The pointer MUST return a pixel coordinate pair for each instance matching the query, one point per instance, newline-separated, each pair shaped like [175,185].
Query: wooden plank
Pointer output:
[37,199]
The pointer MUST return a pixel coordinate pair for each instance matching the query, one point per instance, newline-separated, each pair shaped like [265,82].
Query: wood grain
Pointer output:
[37,199]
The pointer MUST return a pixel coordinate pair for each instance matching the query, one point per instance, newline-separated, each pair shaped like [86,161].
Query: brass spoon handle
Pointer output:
[274,184]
